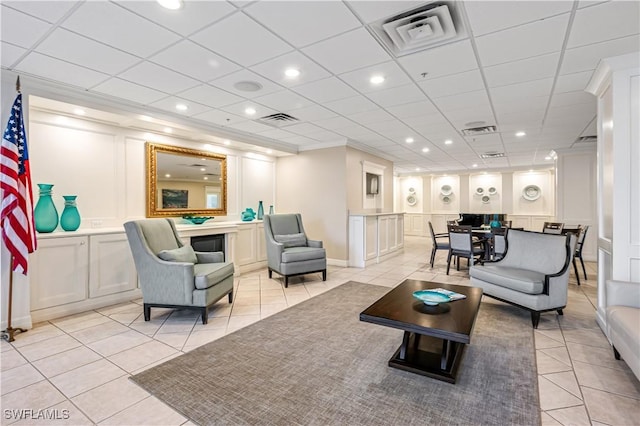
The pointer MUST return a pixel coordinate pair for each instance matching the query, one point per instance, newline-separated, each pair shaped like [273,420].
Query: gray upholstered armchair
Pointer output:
[533,274]
[171,274]
[289,251]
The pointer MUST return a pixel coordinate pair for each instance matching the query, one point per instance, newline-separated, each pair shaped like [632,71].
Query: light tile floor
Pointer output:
[77,368]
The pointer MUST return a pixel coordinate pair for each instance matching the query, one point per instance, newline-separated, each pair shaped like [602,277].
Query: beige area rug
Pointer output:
[317,364]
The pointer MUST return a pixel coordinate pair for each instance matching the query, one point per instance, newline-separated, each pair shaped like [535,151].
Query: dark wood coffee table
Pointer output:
[434,336]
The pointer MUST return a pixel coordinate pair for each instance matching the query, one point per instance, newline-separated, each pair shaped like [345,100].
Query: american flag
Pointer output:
[16,216]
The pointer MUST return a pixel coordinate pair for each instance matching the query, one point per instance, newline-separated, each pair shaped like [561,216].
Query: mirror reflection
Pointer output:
[183,181]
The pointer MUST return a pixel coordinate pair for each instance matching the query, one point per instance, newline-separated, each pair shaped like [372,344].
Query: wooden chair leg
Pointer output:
[286,281]
[147,312]
[205,315]
[560,311]
[575,270]
[270,273]
[535,318]
[616,354]
[448,262]
[583,268]
[433,256]
[324,275]
[231,297]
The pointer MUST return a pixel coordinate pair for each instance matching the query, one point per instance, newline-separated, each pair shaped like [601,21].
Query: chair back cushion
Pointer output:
[159,234]
[291,240]
[546,253]
[460,238]
[285,224]
[182,254]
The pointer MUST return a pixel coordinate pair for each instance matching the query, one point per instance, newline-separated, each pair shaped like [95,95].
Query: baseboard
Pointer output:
[337,262]
[18,322]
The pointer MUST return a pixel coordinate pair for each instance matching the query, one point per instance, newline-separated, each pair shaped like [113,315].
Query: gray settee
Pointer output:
[533,274]
[623,321]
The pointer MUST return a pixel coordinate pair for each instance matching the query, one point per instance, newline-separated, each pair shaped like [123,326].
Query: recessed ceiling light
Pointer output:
[79,111]
[520,134]
[145,118]
[227,142]
[409,140]
[168,130]
[181,107]
[377,79]
[474,165]
[417,169]
[248,86]
[292,72]
[547,158]
[203,169]
[206,178]
[425,149]
[269,151]
[167,175]
[250,111]
[448,142]
[170,4]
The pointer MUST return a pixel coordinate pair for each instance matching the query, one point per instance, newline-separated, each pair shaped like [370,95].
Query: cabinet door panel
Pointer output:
[112,269]
[246,245]
[59,272]
[262,245]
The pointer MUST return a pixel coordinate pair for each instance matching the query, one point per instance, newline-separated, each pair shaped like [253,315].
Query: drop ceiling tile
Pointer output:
[313,112]
[397,95]
[65,45]
[242,40]
[589,25]
[587,57]
[521,91]
[250,126]
[227,83]
[514,121]
[219,117]
[535,68]
[284,100]
[304,129]
[461,117]
[192,17]
[427,120]
[370,11]
[329,89]
[169,104]
[489,16]
[303,23]
[326,136]
[351,105]
[523,42]
[440,61]
[14,24]
[359,79]
[46,10]
[452,85]
[194,61]
[413,109]
[301,140]
[346,52]
[354,131]
[533,105]
[127,90]
[274,69]
[278,134]
[374,116]
[135,34]
[572,82]
[157,77]
[57,70]
[572,98]
[334,123]
[477,98]
[9,54]
[239,108]
[210,96]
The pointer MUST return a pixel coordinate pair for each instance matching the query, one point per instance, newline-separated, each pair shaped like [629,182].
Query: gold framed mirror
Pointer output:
[183,181]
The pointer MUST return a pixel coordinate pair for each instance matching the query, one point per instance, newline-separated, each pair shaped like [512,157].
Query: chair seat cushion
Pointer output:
[624,321]
[522,280]
[209,274]
[299,254]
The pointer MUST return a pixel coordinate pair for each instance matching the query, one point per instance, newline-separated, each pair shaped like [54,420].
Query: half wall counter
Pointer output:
[374,237]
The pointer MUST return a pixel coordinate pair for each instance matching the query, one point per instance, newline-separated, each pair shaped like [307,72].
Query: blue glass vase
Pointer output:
[70,218]
[45,213]
[260,210]
[495,223]
[270,209]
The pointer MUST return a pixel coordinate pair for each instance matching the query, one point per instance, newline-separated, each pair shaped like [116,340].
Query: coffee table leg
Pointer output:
[446,350]
[404,346]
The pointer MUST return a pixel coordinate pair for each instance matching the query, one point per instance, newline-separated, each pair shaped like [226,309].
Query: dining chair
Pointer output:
[437,245]
[461,245]
[499,246]
[552,228]
[506,223]
[579,245]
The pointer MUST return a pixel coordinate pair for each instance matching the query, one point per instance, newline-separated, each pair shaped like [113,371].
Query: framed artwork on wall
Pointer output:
[175,198]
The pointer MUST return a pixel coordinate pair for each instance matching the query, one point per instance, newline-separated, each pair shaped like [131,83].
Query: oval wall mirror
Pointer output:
[184,181]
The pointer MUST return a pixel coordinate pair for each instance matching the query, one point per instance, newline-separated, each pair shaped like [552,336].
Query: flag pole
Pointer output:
[10,331]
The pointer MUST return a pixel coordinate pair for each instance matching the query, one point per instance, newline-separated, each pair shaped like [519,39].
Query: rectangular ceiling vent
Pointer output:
[279,119]
[430,25]
[587,139]
[478,131]
[492,154]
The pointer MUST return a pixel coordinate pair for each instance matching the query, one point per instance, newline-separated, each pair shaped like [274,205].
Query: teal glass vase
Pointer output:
[70,218]
[495,223]
[45,213]
[260,210]
[270,209]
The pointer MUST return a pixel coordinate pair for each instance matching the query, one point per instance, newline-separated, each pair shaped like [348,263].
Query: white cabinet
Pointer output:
[251,251]
[59,271]
[372,237]
[262,244]
[112,269]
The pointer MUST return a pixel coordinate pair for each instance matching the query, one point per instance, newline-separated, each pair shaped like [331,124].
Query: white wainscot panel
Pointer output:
[246,248]
[112,269]
[371,238]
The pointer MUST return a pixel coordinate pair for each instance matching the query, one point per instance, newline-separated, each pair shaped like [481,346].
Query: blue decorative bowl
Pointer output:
[431,298]
[197,220]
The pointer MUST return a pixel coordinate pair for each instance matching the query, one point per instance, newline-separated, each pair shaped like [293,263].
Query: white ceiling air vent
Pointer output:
[492,154]
[477,131]
[587,139]
[279,119]
[430,25]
